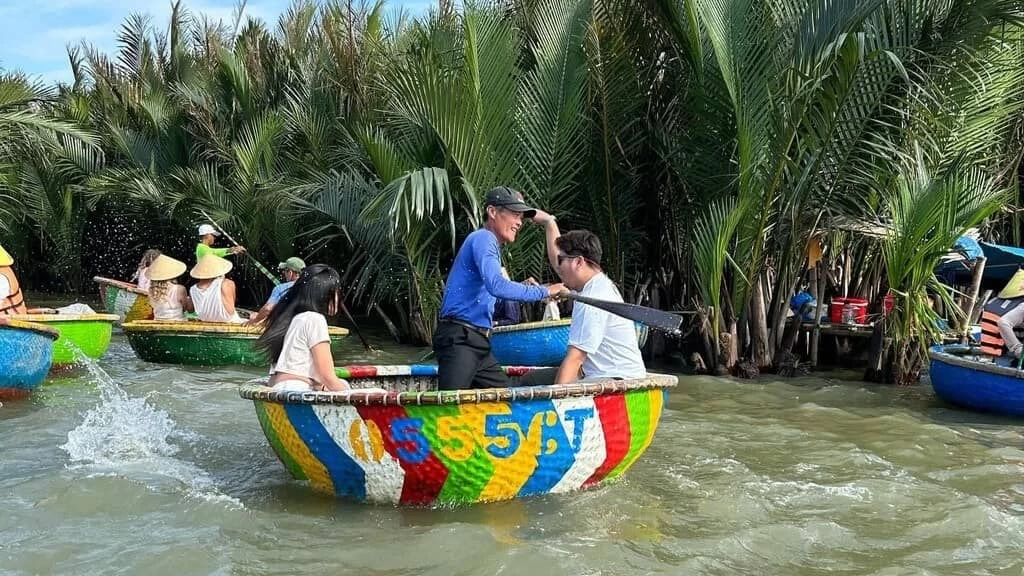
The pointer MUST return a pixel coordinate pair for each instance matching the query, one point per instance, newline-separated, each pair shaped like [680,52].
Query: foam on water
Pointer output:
[126,436]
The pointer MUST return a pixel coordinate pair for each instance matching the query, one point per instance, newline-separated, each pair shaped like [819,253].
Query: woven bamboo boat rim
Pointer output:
[451,397]
[52,333]
[940,354]
[120,285]
[189,327]
[46,318]
[531,326]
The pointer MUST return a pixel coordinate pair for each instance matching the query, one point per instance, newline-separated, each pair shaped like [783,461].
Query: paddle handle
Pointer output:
[259,266]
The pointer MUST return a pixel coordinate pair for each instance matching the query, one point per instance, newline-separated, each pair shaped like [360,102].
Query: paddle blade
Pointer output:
[657,319]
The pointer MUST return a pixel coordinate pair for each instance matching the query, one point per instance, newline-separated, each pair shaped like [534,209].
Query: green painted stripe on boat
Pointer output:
[275,443]
[466,478]
[638,408]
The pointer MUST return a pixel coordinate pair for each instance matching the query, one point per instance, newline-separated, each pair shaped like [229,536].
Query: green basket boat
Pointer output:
[87,334]
[124,299]
[203,343]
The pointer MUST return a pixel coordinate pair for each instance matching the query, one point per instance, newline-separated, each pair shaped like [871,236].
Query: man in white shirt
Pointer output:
[601,345]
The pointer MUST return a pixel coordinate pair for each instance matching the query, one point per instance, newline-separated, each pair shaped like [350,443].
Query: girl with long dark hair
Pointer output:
[295,336]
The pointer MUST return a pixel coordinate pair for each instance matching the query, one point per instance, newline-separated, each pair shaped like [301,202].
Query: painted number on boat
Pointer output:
[459,436]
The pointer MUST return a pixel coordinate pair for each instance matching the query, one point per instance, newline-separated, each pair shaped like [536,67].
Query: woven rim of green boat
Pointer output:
[111,318]
[126,286]
[189,327]
[447,397]
[31,326]
[963,358]
[532,326]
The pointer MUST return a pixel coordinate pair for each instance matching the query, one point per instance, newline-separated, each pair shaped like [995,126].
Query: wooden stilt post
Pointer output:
[978,308]
[972,298]
[818,293]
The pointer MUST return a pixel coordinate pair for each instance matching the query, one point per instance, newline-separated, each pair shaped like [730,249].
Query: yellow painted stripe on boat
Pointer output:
[510,474]
[657,398]
[297,449]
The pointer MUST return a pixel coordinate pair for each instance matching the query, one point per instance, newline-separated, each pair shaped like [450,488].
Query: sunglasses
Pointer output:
[564,257]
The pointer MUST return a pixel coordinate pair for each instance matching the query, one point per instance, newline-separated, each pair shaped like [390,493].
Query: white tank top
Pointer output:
[169,308]
[209,304]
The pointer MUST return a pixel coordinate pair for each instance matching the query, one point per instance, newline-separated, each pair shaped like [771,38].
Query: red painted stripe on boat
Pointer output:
[615,426]
[425,474]
[361,371]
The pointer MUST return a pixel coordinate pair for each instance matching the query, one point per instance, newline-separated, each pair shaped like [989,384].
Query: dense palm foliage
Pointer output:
[704,141]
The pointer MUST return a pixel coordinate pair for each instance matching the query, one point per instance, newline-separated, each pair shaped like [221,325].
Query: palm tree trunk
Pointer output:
[760,352]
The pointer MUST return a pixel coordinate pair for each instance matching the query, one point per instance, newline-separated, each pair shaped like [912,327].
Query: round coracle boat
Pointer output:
[26,352]
[204,343]
[411,444]
[961,375]
[538,343]
[124,299]
[80,334]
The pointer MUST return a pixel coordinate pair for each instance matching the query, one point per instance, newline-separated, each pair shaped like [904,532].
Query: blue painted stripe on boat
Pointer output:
[423,370]
[348,477]
[551,467]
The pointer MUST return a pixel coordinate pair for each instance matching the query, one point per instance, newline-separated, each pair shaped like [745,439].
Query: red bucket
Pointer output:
[836,309]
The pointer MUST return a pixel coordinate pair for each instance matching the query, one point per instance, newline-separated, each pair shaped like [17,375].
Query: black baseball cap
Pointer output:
[509,199]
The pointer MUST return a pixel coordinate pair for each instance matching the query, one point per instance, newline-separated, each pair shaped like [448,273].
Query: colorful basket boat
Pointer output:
[538,343]
[124,299]
[415,445]
[203,343]
[960,376]
[80,334]
[26,352]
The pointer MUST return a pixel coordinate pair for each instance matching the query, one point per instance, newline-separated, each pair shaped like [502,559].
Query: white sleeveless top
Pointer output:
[209,304]
[170,308]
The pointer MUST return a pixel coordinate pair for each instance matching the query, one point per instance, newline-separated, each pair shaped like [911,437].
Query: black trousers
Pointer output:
[464,359]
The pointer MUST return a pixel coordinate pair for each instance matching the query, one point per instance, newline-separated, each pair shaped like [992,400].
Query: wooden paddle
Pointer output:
[657,319]
[274,279]
[259,266]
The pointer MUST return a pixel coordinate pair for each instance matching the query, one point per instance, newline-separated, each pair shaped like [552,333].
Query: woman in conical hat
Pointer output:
[214,295]
[12,301]
[1000,316]
[168,298]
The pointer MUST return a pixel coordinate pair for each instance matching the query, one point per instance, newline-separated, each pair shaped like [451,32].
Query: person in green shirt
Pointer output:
[208,235]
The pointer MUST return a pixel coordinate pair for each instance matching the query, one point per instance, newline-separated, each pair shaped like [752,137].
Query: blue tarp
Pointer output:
[1001,262]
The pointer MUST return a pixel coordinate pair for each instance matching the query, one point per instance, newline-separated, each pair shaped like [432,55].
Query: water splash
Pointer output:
[126,436]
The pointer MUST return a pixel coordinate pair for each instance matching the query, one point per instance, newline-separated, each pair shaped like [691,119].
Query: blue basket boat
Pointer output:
[960,376]
[26,352]
[538,343]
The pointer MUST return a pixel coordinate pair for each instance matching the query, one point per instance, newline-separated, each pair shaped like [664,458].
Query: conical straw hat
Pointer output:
[165,268]
[1015,287]
[211,266]
[5,258]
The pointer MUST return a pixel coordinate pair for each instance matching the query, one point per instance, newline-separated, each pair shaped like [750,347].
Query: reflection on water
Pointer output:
[141,468]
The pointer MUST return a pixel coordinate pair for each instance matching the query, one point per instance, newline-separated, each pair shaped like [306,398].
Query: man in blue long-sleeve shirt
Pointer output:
[462,342]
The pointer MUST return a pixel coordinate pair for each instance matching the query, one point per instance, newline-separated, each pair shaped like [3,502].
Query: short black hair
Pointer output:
[581,243]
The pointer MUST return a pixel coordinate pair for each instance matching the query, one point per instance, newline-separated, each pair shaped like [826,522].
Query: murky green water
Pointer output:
[164,470]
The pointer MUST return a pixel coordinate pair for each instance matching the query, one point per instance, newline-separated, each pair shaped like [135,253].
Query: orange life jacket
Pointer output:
[992,342]
[14,303]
